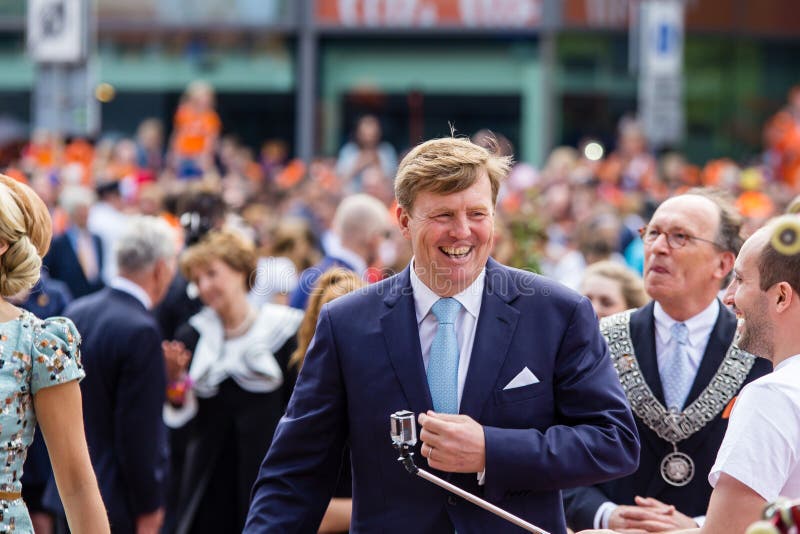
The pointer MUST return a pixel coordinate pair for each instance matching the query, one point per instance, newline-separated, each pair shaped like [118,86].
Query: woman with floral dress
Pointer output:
[39,372]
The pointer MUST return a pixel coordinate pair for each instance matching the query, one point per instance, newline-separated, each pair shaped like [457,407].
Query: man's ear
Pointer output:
[403,218]
[161,269]
[784,296]
[726,261]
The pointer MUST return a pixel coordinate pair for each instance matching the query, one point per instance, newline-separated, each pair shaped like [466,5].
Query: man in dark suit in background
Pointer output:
[76,256]
[124,390]
[681,346]
[526,400]
[360,225]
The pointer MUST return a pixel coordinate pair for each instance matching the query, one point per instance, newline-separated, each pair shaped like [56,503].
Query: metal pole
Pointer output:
[306,82]
[480,502]
[548,57]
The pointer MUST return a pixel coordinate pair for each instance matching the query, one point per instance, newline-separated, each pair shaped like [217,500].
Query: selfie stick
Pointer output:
[404,437]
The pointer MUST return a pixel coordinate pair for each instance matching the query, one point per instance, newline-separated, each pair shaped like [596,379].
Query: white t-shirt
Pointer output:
[761,448]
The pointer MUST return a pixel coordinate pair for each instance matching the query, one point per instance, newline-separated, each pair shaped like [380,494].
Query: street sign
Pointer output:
[56,30]
[661,109]
[59,41]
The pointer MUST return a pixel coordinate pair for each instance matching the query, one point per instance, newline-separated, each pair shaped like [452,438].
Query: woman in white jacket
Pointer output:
[227,368]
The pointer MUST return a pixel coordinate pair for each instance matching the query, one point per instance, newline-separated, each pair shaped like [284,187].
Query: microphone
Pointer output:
[404,436]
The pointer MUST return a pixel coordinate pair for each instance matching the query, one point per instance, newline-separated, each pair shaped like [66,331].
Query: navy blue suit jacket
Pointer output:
[365,363]
[308,279]
[692,499]
[123,397]
[62,264]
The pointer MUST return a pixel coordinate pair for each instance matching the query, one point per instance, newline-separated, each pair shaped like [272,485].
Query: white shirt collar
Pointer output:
[355,261]
[425,298]
[698,325]
[133,289]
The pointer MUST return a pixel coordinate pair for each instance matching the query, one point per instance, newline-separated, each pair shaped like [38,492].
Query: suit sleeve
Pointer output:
[140,433]
[581,505]
[299,474]
[593,438]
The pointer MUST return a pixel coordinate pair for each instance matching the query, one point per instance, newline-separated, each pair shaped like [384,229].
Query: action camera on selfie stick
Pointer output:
[404,437]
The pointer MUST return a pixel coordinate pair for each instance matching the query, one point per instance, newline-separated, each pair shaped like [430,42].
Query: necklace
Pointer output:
[244,326]
[677,468]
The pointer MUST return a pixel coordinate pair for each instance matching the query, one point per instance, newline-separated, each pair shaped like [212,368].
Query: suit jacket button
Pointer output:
[451,500]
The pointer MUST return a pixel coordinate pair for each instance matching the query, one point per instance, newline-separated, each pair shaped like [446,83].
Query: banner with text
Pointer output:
[466,14]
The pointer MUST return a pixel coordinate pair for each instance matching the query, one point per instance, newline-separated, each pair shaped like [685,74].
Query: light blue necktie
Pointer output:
[443,361]
[675,375]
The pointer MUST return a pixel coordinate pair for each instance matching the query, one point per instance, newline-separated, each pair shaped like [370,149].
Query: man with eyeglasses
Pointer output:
[679,367]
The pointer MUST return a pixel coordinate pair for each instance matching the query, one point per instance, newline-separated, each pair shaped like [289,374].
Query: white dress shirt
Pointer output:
[699,326]
[133,289]
[340,252]
[466,321]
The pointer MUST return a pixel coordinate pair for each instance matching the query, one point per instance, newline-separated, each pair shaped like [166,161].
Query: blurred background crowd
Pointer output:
[582,205]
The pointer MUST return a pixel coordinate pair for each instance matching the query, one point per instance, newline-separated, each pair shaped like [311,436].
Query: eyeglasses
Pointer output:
[674,239]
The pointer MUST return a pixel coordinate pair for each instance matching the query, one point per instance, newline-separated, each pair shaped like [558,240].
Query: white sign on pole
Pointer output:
[661,109]
[56,32]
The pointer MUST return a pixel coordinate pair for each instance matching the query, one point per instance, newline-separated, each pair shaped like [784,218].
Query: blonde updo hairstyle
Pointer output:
[26,227]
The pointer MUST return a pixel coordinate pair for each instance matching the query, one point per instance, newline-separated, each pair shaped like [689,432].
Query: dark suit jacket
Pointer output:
[308,279]
[123,397]
[365,363]
[62,264]
[581,504]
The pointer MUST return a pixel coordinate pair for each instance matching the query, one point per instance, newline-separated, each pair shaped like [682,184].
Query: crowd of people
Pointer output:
[200,279]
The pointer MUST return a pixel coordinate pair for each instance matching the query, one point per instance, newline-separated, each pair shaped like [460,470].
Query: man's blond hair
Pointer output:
[447,165]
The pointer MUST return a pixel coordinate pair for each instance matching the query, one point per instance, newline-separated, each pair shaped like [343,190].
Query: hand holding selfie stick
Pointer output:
[404,437]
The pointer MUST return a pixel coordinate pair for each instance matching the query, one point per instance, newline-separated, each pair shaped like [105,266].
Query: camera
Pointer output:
[403,429]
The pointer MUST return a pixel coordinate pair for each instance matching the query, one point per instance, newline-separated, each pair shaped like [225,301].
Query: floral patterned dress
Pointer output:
[34,354]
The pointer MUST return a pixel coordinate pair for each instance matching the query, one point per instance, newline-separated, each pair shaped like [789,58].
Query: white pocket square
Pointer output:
[524,378]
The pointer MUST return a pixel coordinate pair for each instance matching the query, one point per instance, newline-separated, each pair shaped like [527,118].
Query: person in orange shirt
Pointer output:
[630,167]
[43,153]
[196,131]
[81,152]
[782,137]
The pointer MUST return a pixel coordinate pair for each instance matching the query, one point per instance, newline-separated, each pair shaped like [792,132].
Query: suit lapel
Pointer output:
[643,337]
[496,325]
[74,259]
[401,332]
[718,343]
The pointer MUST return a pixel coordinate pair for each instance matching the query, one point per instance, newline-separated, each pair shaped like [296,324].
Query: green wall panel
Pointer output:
[435,69]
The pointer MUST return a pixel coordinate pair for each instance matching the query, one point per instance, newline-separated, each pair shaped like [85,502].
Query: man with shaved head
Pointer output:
[679,368]
[360,225]
[759,459]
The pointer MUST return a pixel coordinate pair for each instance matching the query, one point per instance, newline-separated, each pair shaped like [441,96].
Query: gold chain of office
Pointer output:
[671,425]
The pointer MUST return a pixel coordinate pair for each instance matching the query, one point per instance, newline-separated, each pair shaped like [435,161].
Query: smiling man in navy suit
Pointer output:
[508,371]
